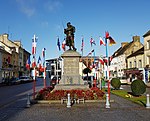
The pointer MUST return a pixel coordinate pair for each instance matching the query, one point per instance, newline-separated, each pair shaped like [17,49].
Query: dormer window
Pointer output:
[148,44]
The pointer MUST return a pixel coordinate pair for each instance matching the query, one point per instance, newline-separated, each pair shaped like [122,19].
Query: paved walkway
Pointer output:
[120,110]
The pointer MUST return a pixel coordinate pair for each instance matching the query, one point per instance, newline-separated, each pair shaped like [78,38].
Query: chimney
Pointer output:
[123,44]
[136,38]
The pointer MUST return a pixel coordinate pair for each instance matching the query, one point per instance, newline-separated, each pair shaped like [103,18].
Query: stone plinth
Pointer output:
[71,79]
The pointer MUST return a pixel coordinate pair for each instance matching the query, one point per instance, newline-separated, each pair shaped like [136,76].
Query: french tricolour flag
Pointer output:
[28,63]
[43,52]
[64,45]
[39,63]
[33,62]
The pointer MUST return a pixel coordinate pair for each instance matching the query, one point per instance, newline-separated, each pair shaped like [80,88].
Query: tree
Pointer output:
[87,71]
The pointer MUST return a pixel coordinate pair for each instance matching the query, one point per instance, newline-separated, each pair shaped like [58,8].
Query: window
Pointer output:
[130,64]
[140,64]
[135,64]
[20,55]
[148,44]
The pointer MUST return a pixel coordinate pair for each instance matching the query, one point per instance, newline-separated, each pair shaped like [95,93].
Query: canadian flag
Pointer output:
[102,42]
[34,40]
[106,34]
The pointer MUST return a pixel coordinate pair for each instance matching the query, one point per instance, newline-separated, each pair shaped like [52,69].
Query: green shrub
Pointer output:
[115,83]
[138,87]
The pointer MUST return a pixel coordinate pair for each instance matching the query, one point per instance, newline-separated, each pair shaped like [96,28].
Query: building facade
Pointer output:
[12,54]
[120,56]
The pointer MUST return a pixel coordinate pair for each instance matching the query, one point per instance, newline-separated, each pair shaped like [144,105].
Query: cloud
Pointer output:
[44,24]
[27,7]
[53,5]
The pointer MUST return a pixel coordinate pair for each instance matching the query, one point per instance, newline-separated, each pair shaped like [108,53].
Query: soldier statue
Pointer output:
[69,31]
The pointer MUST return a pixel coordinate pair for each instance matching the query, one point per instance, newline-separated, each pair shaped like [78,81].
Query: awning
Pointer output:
[132,71]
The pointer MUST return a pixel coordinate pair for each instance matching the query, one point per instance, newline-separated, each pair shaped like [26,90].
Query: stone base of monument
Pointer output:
[71,87]
[71,79]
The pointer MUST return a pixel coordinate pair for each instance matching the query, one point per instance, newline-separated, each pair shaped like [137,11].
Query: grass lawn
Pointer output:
[137,99]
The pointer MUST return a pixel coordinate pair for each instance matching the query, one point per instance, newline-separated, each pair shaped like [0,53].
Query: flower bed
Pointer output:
[50,94]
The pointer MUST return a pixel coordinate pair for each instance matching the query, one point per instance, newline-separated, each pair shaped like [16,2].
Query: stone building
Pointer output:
[119,61]
[147,48]
[17,57]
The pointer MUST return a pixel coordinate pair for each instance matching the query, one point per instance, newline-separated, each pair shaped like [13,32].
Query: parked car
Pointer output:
[15,81]
[11,81]
[123,80]
[25,79]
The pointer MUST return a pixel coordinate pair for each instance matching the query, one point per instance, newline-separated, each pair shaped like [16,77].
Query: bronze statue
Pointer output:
[69,31]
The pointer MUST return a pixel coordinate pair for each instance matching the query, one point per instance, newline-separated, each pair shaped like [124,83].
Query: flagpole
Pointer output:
[44,72]
[44,67]
[107,72]
[82,53]
[34,72]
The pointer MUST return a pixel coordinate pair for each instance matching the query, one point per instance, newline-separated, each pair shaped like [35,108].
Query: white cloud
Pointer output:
[44,24]
[27,7]
[53,5]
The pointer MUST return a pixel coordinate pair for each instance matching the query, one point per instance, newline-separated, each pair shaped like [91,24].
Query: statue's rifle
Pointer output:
[63,25]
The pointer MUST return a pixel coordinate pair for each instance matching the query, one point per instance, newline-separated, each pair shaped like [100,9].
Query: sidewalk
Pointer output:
[120,110]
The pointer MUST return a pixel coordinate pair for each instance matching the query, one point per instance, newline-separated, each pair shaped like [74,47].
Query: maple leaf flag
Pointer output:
[102,42]
[34,40]
[106,35]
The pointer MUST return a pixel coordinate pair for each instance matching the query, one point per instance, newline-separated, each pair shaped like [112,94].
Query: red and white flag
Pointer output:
[34,40]
[102,42]
[101,60]
[90,53]
[107,35]
[64,45]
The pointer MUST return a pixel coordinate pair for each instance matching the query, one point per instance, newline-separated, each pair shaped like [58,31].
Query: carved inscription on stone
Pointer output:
[71,66]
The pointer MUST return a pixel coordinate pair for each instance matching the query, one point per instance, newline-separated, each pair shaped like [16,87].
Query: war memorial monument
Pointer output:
[71,79]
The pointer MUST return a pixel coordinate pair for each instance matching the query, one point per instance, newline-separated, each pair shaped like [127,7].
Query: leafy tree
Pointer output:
[87,71]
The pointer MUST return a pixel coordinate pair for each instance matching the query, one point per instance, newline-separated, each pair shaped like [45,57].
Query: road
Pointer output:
[15,97]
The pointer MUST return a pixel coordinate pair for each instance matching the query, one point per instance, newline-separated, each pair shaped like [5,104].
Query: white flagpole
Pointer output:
[34,71]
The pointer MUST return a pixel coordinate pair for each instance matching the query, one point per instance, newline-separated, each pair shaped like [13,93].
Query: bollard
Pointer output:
[28,101]
[147,101]
[68,101]
[107,101]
